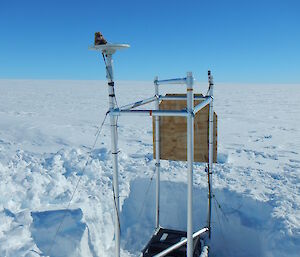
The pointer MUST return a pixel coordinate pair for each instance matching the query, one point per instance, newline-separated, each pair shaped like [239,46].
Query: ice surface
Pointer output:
[47,129]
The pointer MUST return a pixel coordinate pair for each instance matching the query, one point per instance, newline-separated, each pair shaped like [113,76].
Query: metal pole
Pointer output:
[202,105]
[171,81]
[190,160]
[210,149]
[180,243]
[114,150]
[157,155]
[137,104]
[118,112]
[170,97]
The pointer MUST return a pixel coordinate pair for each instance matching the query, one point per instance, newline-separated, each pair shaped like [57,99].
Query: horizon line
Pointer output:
[148,81]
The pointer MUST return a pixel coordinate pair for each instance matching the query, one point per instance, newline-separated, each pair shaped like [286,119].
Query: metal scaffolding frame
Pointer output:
[190,112]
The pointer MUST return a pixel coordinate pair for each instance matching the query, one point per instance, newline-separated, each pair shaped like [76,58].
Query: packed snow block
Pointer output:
[68,240]
[173,135]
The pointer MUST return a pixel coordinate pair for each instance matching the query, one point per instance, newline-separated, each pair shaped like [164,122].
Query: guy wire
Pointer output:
[48,252]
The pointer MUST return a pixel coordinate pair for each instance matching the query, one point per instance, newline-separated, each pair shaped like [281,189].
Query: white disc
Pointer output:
[108,48]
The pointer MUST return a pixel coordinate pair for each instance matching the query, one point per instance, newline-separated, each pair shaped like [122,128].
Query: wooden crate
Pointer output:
[173,136]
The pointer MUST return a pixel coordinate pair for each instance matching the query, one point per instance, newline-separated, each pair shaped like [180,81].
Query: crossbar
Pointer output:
[138,103]
[170,81]
[118,112]
[170,97]
[202,104]
[181,243]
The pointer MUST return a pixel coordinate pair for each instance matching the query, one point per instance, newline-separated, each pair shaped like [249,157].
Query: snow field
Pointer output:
[47,129]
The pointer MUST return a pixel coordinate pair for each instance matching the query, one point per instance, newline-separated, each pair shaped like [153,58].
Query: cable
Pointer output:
[147,191]
[76,187]
[110,78]
[114,94]
[116,127]
[100,127]
[118,217]
[220,207]
[221,230]
[78,181]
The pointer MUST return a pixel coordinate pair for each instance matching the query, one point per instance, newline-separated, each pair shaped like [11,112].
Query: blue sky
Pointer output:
[242,41]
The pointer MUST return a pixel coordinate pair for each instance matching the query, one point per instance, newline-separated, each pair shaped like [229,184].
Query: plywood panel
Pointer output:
[173,141]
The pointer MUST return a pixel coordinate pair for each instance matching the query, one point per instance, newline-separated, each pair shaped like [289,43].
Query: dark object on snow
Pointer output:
[165,238]
[99,39]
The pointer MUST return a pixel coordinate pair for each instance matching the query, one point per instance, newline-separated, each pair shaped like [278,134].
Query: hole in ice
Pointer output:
[238,228]
[45,224]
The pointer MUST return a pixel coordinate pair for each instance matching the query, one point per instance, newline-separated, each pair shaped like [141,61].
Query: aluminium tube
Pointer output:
[170,97]
[202,104]
[157,157]
[210,149]
[180,243]
[118,112]
[190,160]
[170,81]
[114,150]
[138,103]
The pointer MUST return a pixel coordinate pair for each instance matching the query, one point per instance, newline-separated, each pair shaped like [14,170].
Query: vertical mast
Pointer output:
[157,155]
[114,149]
[190,160]
[210,150]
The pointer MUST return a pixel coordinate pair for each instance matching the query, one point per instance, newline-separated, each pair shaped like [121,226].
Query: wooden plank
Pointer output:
[173,137]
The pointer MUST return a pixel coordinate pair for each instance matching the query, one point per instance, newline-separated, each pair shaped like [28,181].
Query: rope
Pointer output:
[100,127]
[78,181]
[114,196]
[110,78]
[114,94]
[145,196]
[116,103]
[76,187]
[221,229]
[220,207]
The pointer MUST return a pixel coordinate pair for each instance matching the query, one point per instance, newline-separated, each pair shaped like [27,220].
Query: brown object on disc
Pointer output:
[99,39]
[173,135]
